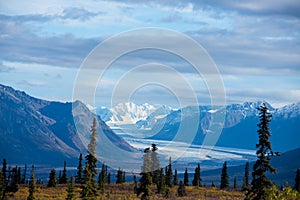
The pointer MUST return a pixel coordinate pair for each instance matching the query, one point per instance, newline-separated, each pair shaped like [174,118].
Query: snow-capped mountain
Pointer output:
[143,115]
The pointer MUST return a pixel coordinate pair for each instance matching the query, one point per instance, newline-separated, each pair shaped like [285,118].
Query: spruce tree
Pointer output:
[175,180]
[64,178]
[13,181]
[32,188]
[155,168]
[79,177]
[197,180]
[89,188]
[161,183]
[181,189]
[169,174]
[186,178]
[246,177]
[102,178]
[213,185]
[264,153]
[52,179]
[108,178]
[146,179]
[297,180]
[23,179]
[70,189]
[234,183]
[1,185]
[4,169]
[119,176]
[224,177]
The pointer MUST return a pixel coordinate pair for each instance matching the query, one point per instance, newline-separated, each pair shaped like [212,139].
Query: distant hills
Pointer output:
[44,132]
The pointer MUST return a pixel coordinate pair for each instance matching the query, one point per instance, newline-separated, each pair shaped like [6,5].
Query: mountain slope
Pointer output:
[38,131]
[240,130]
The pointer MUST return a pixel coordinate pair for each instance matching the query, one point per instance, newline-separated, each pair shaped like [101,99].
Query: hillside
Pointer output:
[38,131]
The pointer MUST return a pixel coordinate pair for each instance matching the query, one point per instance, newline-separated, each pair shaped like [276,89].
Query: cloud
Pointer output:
[4,68]
[78,13]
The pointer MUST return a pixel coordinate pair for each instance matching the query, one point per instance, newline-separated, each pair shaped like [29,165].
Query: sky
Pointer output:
[255,46]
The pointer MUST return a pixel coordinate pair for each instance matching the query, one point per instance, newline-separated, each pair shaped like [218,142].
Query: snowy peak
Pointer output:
[131,113]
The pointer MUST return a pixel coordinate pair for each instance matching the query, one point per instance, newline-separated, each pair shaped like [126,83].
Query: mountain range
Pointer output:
[239,127]
[38,131]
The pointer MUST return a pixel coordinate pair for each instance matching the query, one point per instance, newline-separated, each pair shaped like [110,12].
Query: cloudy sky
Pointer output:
[254,44]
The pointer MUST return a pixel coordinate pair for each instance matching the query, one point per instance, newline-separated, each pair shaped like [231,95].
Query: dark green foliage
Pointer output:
[70,189]
[23,178]
[120,176]
[264,152]
[108,178]
[146,179]
[32,188]
[246,177]
[161,183]
[197,180]
[144,186]
[155,168]
[89,188]
[186,178]
[79,177]
[2,185]
[175,180]
[224,177]
[52,179]
[169,174]
[297,180]
[64,178]
[213,184]
[13,180]
[181,189]
[4,169]
[102,178]
[234,183]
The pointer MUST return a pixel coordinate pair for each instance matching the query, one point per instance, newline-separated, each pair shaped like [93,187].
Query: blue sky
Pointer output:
[255,45]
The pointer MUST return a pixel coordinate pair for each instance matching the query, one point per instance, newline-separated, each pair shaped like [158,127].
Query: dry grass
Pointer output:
[125,192]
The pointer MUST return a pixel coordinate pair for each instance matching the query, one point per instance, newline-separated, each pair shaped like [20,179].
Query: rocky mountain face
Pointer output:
[38,131]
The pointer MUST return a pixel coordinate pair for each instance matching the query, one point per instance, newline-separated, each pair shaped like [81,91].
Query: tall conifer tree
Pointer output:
[264,153]
[79,177]
[224,177]
[186,178]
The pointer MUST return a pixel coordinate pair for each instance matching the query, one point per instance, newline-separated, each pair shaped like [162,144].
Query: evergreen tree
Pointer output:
[108,178]
[89,188]
[161,183]
[19,175]
[12,185]
[246,177]
[234,183]
[186,178]
[23,179]
[70,189]
[120,176]
[102,178]
[59,177]
[155,168]
[197,180]
[64,178]
[1,185]
[224,177]
[213,185]
[169,174]
[297,180]
[181,189]
[52,179]
[79,177]
[260,183]
[4,170]
[146,179]
[175,180]
[32,188]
